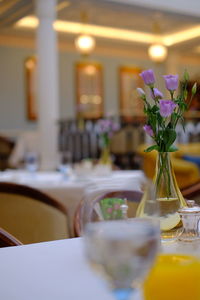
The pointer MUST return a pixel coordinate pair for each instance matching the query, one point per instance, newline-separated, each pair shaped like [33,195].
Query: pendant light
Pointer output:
[84,42]
[157,51]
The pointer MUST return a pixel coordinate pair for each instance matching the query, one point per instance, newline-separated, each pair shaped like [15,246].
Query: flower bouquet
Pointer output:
[163,115]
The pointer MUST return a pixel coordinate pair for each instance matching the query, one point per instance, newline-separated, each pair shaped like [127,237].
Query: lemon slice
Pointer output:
[169,222]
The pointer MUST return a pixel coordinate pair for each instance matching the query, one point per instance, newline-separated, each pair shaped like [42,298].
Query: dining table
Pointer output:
[56,270]
[69,190]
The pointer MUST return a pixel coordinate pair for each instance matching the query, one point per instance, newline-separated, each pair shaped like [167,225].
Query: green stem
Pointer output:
[163,171]
[172,95]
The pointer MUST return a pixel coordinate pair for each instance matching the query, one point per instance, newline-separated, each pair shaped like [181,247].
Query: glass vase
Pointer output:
[167,197]
[105,157]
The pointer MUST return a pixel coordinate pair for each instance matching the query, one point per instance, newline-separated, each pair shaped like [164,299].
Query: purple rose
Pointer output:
[115,127]
[156,94]
[140,92]
[166,107]
[148,77]
[104,125]
[148,130]
[107,126]
[171,82]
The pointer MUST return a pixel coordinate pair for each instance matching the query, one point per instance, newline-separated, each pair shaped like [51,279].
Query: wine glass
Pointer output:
[122,251]
[109,199]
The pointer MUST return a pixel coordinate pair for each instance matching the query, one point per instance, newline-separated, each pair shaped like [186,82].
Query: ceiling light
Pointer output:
[85,43]
[99,31]
[182,36]
[157,52]
[115,33]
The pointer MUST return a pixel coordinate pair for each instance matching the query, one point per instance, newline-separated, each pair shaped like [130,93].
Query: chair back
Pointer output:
[192,192]
[6,147]
[7,239]
[31,215]
[98,212]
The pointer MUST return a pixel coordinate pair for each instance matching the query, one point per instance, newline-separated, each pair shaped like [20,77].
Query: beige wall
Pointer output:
[13,52]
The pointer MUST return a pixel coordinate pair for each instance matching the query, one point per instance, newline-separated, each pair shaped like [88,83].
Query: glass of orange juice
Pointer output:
[173,277]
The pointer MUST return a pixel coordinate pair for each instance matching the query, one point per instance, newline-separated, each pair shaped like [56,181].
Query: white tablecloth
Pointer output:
[49,271]
[57,270]
[70,191]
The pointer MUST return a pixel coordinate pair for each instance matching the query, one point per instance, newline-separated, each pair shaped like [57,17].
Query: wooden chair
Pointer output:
[30,215]
[132,199]
[6,147]
[192,192]
[7,239]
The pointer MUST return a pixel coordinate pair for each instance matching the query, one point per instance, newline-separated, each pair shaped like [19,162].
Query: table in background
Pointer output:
[69,191]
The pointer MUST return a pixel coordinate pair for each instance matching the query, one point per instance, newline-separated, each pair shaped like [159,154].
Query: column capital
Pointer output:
[45,8]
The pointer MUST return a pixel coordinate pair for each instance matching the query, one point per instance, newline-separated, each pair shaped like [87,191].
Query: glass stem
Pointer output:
[123,294]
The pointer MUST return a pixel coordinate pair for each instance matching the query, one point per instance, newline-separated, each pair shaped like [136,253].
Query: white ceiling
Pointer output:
[185,7]
[124,14]
[111,14]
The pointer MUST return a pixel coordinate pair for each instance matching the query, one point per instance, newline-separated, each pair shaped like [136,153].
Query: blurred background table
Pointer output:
[70,190]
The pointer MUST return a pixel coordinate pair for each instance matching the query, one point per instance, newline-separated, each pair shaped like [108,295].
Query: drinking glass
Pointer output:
[176,272]
[122,251]
[64,164]
[31,161]
[174,276]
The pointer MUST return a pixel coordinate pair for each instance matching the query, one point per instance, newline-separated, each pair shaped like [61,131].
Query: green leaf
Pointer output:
[151,148]
[153,121]
[159,118]
[172,148]
[155,108]
[169,137]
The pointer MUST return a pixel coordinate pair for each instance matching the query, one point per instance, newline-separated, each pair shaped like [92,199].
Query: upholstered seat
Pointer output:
[192,192]
[30,215]
[186,172]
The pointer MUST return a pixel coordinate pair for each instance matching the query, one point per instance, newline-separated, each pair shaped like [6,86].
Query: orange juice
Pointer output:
[174,277]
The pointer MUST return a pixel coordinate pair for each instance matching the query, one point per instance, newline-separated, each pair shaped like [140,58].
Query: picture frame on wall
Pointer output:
[130,103]
[30,78]
[89,90]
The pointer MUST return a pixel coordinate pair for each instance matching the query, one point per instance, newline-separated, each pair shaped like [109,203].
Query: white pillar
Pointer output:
[48,100]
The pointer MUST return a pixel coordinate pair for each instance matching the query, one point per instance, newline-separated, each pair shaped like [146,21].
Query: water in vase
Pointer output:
[170,221]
